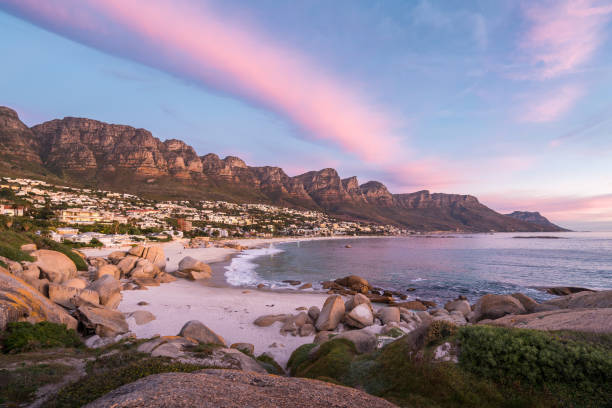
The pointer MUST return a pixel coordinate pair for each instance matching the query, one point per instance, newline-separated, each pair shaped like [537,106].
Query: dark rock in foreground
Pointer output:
[231,388]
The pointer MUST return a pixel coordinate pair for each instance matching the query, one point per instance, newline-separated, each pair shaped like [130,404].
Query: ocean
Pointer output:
[438,268]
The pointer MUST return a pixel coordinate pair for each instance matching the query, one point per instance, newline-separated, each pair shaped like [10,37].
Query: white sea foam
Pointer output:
[241,270]
[418,280]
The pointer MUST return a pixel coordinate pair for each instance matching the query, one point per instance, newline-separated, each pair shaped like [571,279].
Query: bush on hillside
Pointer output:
[574,369]
[22,336]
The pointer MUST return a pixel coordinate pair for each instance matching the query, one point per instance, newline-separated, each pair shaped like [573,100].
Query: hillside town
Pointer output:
[83,216]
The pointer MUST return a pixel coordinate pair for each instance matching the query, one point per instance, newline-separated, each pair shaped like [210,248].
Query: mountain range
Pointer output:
[90,153]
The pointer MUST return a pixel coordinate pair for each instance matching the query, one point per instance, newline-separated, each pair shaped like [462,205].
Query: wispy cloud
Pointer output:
[189,40]
[564,34]
[552,105]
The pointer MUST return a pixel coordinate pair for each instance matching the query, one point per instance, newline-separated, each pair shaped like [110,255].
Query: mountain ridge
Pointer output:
[123,158]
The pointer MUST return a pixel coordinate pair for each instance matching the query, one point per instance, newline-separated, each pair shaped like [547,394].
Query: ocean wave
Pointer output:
[241,270]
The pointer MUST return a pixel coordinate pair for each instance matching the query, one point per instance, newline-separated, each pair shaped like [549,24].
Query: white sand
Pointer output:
[227,311]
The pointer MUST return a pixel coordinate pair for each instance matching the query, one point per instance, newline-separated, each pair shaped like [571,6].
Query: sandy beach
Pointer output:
[228,311]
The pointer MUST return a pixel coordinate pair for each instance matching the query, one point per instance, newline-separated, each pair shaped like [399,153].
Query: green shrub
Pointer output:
[203,350]
[440,330]
[22,336]
[298,357]
[574,369]
[18,386]
[109,373]
[270,365]
[2,264]
[395,333]
[14,254]
[332,359]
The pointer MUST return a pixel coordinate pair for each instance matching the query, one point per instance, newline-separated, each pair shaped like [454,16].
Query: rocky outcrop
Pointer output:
[582,320]
[54,265]
[231,388]
[21,302]
[102,321]
[601,299]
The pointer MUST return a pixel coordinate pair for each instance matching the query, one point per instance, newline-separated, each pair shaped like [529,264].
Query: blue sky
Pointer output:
[506,100]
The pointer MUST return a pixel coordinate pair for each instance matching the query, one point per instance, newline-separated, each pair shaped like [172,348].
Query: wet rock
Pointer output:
[412,305]
[292,282]
[565,290]
[356,283]
[305,286]
[306,330]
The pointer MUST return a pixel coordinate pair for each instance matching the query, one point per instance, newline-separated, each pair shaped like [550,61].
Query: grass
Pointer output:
[109,372]
[18,386]
[270,365]
[22,337]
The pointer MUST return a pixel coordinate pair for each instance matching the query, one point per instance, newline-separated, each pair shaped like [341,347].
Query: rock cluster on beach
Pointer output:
[353,315]
[51,289]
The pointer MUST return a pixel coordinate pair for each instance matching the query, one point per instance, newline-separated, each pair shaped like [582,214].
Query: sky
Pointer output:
[507,100]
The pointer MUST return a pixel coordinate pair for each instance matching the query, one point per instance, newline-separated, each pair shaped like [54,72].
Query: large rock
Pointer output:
[29,271]
[111,270]
[141,317]
[357,300]
[269,320]
[459,305]
[583,320]
[191,264]
[154,254]
[116,256]
[144,269]
[29,248]
[108,288]
[565,290]
[356,283]
[54,265]
[198,331]
[412,305]
[365,341]
[528,303]
[586,300]
[78,283]
[126,264]
[13,267]
[331,314]
[62,295]
[494,307]
[389,315]
[102,321]
[360,316]
[21,302]
[232,388]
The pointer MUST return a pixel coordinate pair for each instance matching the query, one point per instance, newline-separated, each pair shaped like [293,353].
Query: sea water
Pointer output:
[437,267]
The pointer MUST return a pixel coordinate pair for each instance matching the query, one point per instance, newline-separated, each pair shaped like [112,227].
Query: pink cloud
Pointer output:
[190,40]
[552,105]
[558,209]
[564,34]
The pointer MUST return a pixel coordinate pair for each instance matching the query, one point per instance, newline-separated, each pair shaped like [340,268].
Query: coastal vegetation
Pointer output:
[498,367]
[20,337]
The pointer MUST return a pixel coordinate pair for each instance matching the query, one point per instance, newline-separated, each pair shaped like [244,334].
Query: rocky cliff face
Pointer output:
[133,160]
